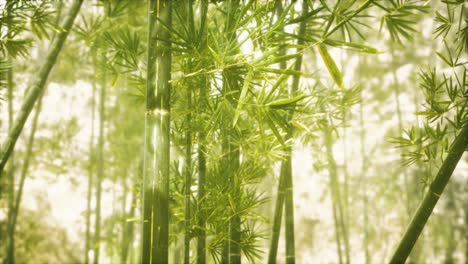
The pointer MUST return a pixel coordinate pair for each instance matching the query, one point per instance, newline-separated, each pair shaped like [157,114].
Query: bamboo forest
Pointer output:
[233,131]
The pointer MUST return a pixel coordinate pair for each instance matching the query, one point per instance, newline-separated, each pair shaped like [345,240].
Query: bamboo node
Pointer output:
[155,112]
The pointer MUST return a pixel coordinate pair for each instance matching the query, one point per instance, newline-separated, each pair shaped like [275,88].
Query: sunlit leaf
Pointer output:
[331,65]
[242,97]
[351,46]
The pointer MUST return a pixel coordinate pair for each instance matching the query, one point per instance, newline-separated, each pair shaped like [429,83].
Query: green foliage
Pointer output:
[18,17]
[400,18]
[445,107]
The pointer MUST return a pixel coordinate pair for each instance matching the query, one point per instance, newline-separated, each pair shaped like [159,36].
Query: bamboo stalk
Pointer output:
[157,135]
[289,198]
[90,178]
[100,162]
[148,178]
[10,258]
[201,151]
[188,175]
[278,214]
[201,244]
[431,198]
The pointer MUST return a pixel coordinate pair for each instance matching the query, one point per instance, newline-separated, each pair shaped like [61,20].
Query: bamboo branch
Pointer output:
[432,196]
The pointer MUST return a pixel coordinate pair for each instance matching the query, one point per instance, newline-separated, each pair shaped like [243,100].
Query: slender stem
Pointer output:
[100,160]
[231,251]
[466,220]
[90,171]
[337,228]
[11,170]
[129,227]
[201,245]
[201,152]
[15,210]
[335,193]
[281,194]
[278,215]
[289,198]
[365,179]
[344,220]
[188,174]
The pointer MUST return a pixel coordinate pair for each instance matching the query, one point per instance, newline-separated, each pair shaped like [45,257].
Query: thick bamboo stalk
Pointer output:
[148,181]
[38,86]
[431,197]
[162,114]
[157,135]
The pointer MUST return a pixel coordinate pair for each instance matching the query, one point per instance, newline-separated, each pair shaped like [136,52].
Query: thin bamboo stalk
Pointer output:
[201,151]
[100,161]
[90,170]
[188,175]
[289,198]
[10,258]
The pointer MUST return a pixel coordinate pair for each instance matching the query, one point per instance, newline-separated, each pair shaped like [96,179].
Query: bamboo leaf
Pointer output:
[273,128]
[447,61]
[279,71]
[331,65]
[286,102]
[352,46]
[242,97]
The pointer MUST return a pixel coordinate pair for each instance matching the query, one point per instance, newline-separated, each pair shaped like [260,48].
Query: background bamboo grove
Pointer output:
[250,131]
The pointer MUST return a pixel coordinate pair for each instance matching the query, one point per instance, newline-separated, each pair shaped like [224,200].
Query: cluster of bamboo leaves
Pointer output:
[444,87]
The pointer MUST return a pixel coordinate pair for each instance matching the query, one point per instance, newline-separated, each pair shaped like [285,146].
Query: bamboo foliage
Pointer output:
[228,92]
